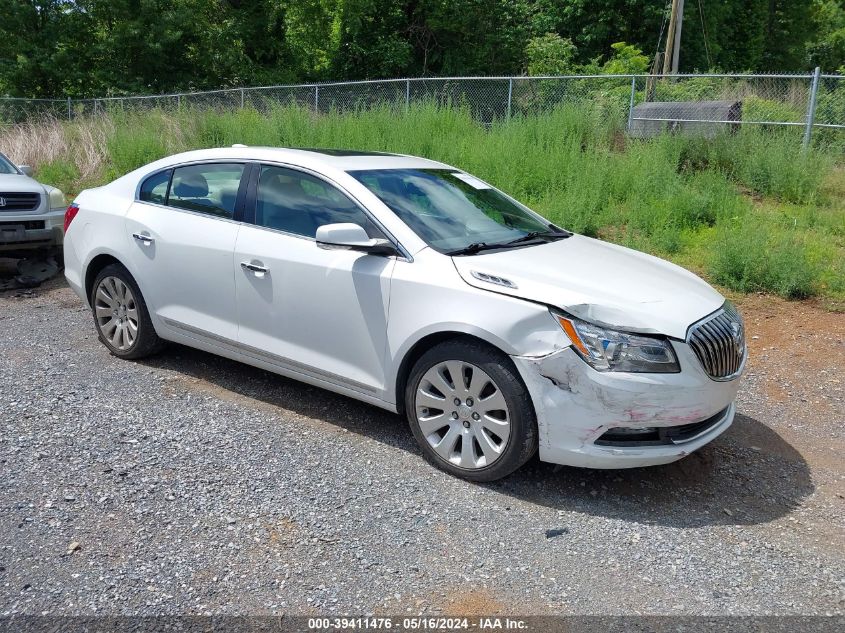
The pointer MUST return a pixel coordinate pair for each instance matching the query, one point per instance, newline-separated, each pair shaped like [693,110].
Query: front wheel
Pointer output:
[470,411]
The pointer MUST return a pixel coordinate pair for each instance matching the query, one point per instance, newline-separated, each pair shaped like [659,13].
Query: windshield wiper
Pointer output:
[475,247]
[537,235]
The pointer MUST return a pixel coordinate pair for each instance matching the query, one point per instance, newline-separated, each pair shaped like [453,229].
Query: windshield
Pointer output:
[452,210]
[6,166]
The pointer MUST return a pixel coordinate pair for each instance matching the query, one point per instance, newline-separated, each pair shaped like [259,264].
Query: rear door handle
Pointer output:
[143,238]
[258,269]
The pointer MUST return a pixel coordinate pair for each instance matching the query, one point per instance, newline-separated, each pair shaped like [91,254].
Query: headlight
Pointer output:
[609,350]
[57,199]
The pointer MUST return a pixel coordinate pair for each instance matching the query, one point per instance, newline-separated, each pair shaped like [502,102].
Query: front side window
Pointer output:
[210,188]
[452,210]
[296,202]
[154,188]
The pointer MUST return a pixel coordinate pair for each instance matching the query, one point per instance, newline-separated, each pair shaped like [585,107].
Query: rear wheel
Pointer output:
[120,314]
[470,412]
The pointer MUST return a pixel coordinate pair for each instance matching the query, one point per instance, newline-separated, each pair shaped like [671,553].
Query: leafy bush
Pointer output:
[550,54]
[626,59]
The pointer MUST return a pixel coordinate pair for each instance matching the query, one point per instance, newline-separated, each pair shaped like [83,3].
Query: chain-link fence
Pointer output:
[647,104]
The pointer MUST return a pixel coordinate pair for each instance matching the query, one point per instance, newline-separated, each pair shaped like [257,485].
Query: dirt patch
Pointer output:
[795,375]
[283,533]
[798,350]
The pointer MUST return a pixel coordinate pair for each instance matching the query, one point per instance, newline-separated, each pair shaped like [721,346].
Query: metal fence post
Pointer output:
[316,99]
[69,109]
[811,107]
[631,104]
[407,95]
[510,96]
[242,98]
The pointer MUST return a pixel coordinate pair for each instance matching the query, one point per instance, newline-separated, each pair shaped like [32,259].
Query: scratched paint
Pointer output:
[577,404]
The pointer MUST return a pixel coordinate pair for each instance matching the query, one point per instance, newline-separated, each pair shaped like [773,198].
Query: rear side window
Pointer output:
[211,188]
[154,188]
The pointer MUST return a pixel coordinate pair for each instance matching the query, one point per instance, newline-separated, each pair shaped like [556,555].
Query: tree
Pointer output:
[33,60]
[594,25]
[467,37]
[827,48]
[96,47]
[788,28]
[373,40]
[626,60]
[550,54]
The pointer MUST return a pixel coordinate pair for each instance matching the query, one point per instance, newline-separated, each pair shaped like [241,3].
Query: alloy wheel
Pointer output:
[462,414]
[116,313]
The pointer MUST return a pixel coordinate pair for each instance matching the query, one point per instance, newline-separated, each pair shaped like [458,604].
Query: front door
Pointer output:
[317,311]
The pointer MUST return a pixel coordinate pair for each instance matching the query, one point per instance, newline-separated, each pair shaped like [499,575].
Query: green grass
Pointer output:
[61,173]
[750,211]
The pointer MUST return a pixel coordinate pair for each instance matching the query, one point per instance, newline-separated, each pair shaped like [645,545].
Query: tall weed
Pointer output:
[752,209]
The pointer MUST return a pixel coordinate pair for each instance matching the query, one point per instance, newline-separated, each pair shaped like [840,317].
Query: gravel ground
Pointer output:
[190,484]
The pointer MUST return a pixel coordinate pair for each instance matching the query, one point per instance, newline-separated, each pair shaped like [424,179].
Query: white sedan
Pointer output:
[415,287]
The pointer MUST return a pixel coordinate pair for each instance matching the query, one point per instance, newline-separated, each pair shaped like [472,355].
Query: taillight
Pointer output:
[71,212]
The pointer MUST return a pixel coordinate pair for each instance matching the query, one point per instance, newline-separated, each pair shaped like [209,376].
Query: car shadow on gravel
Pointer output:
[250,386]
[747,476]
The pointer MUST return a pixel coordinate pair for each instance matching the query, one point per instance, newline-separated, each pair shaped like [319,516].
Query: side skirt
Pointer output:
[186,335]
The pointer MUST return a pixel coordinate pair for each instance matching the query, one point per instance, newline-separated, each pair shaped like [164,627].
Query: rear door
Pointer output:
[317,311]
[182,230]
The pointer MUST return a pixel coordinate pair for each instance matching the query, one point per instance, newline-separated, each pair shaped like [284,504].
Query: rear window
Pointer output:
[154,188]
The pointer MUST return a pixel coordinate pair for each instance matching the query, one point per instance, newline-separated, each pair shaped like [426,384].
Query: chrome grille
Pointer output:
[719,343]
[19,201]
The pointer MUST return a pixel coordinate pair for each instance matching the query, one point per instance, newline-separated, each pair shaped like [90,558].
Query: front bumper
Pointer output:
[576,405]
[31,231]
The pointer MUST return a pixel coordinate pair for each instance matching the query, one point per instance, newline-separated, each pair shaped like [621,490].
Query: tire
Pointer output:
[492,432]
[120,315]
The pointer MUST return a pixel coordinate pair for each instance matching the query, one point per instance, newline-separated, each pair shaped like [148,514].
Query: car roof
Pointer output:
[324,161]
[343,159]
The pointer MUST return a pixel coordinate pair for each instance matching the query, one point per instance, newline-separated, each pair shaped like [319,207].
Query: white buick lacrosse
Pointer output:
[416,287]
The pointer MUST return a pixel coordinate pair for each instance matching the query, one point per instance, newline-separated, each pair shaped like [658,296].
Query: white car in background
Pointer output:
[416,287]
[31,214]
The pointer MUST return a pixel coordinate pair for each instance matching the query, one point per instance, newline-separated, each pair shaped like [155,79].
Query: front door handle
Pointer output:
[258,269]
[145,239]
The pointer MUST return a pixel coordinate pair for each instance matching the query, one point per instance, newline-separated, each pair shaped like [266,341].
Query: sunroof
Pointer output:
[343,152]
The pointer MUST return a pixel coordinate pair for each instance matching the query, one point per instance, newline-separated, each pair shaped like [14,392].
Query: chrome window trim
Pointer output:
[210,161]
[405,254]
[208,216]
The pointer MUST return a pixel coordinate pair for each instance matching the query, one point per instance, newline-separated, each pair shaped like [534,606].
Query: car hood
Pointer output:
[20,183]
[599,282]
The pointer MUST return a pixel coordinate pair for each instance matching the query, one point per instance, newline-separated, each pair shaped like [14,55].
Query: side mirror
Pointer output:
[353,237]
[26,169]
